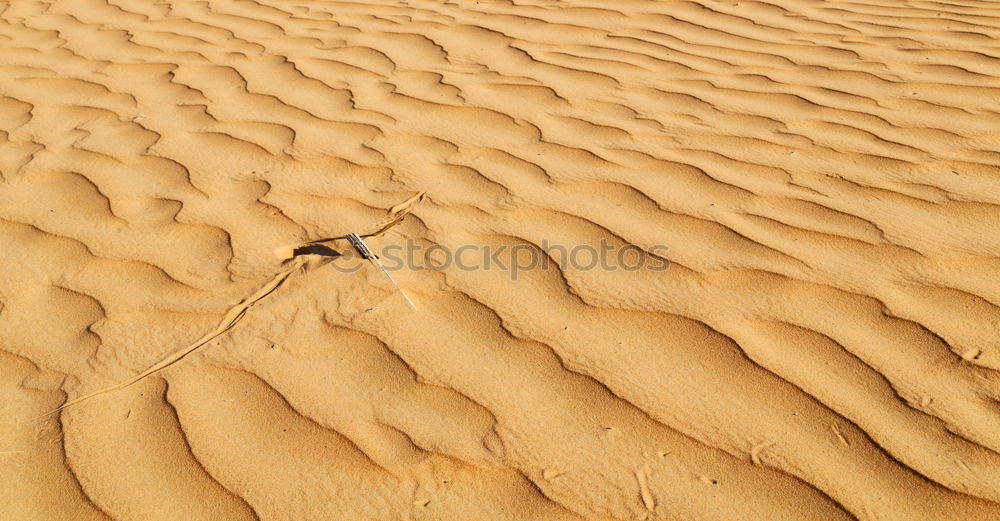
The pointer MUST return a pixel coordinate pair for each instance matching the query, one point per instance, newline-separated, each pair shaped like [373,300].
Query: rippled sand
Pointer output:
[823,345]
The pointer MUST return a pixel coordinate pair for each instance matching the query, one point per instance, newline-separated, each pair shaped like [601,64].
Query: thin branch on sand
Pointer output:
[237,312]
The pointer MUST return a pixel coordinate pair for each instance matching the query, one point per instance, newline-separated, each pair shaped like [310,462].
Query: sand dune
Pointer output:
[822,346]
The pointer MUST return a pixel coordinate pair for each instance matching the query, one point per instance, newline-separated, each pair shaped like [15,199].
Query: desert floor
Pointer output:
[819,179]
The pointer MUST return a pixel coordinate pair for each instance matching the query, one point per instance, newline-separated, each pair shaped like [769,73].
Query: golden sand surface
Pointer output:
[823,177]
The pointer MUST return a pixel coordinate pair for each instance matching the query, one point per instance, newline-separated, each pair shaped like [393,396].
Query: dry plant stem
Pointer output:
[237,312]
[367,253]
[386,227]
[233,316]
[409,302]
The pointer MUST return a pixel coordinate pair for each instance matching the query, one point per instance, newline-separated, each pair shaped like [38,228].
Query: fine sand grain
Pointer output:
[823,178]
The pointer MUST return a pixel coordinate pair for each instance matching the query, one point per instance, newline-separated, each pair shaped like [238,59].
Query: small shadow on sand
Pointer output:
[313,255]
[316,249]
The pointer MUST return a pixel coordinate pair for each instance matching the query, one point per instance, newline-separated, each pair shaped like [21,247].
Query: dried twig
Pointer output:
[367,253]
[237,312]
